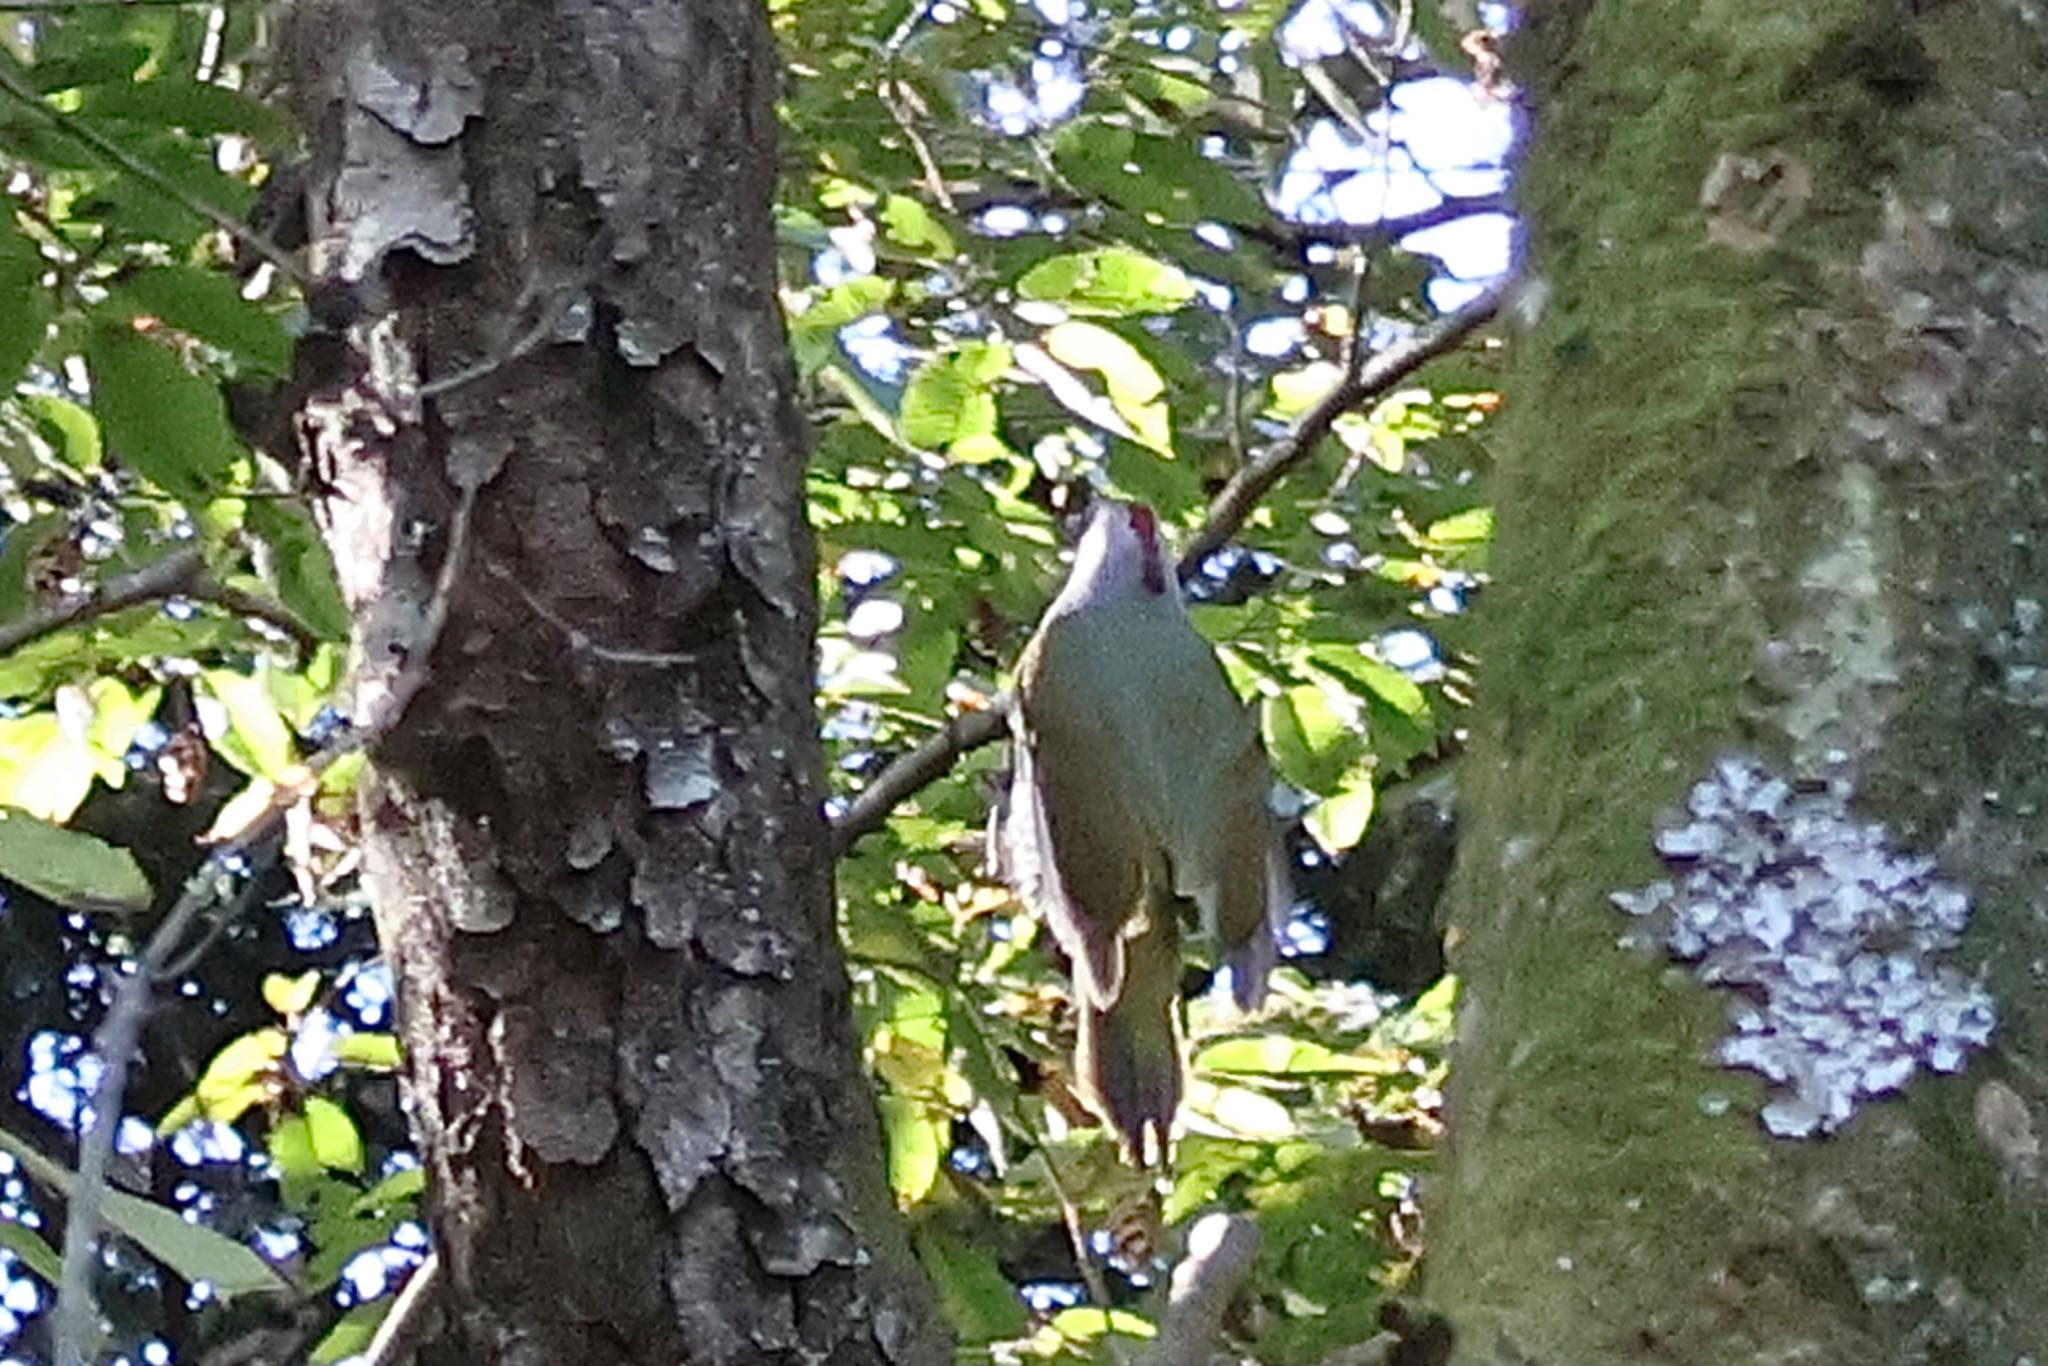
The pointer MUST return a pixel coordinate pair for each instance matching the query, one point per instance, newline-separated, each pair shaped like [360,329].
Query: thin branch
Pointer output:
[178,572]
[75,1315]
[400,1330]
[927,763]
[243,603]
[1221,1250]
[1363,380]
[71,126]
[1298,237]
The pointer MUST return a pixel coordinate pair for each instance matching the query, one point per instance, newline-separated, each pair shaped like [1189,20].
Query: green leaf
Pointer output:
[1134,384]
[1113,282]
[258,740]
[395,1191]
[24,303]
[1089,1325]
[160,419]
[915,1147]
[209,305]
[333,1135]
[68,867]
[353,1333]
[241,1075]
[194,1252]
[1313,745]
[1339,820]
[1473,526]
[1282,1055]
[949,397]
[910,224]
[299,568]
[29,1248]
[72,432]
[290,996]
[977,1299]
[371,1051]
[195,106]
[814,333]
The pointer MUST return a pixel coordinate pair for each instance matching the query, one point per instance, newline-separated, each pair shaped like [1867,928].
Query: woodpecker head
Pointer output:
[1121,555]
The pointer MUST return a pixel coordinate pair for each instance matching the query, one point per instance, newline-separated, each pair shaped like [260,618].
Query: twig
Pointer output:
[114,1041]
[1299,236]
[1363,380]
[1077,1237]
[246,604]
[178,572]
[400,1329]
[114,1044]
[70,125]
[894,96]
[928,762]
[1221,1250]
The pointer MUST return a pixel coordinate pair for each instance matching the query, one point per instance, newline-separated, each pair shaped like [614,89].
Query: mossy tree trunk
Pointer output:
[562,477]
[1773,487]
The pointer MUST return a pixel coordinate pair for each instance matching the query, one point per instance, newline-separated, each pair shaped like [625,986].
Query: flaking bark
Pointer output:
[594,841]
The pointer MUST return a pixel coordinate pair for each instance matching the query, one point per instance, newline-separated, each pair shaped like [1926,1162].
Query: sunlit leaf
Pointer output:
[910,224]
[335,1141]
[291,996]
[257,740]
[1283,1055]
[916,1146]
[367,1049]
[1339,820]
[1112,281]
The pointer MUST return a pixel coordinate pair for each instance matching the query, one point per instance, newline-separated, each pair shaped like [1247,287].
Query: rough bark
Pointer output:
[1772,484]
[564,475]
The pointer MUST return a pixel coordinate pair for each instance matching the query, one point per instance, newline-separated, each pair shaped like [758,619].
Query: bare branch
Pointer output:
[1221,1250]
[927,763]
[1362,381]
[178,572]
[401,1330]
[104,147]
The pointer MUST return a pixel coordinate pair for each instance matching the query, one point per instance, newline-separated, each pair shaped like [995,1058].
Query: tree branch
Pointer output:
[104,147]
[927,763]
[177,572]
[1221,1250]
[1362,381]
[1297,237]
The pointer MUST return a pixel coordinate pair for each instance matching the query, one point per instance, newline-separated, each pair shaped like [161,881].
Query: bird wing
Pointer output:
[1074,838]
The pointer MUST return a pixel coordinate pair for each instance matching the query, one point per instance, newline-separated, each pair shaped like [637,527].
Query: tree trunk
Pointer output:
[562,477]
[1772,487]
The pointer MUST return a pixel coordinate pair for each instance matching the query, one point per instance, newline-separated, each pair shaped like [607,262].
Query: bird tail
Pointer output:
[1128,1057]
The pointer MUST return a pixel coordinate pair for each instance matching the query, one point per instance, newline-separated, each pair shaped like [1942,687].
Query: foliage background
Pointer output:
[1027,252]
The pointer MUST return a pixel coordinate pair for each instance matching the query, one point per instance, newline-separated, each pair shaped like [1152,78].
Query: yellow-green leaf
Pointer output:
[290,996]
